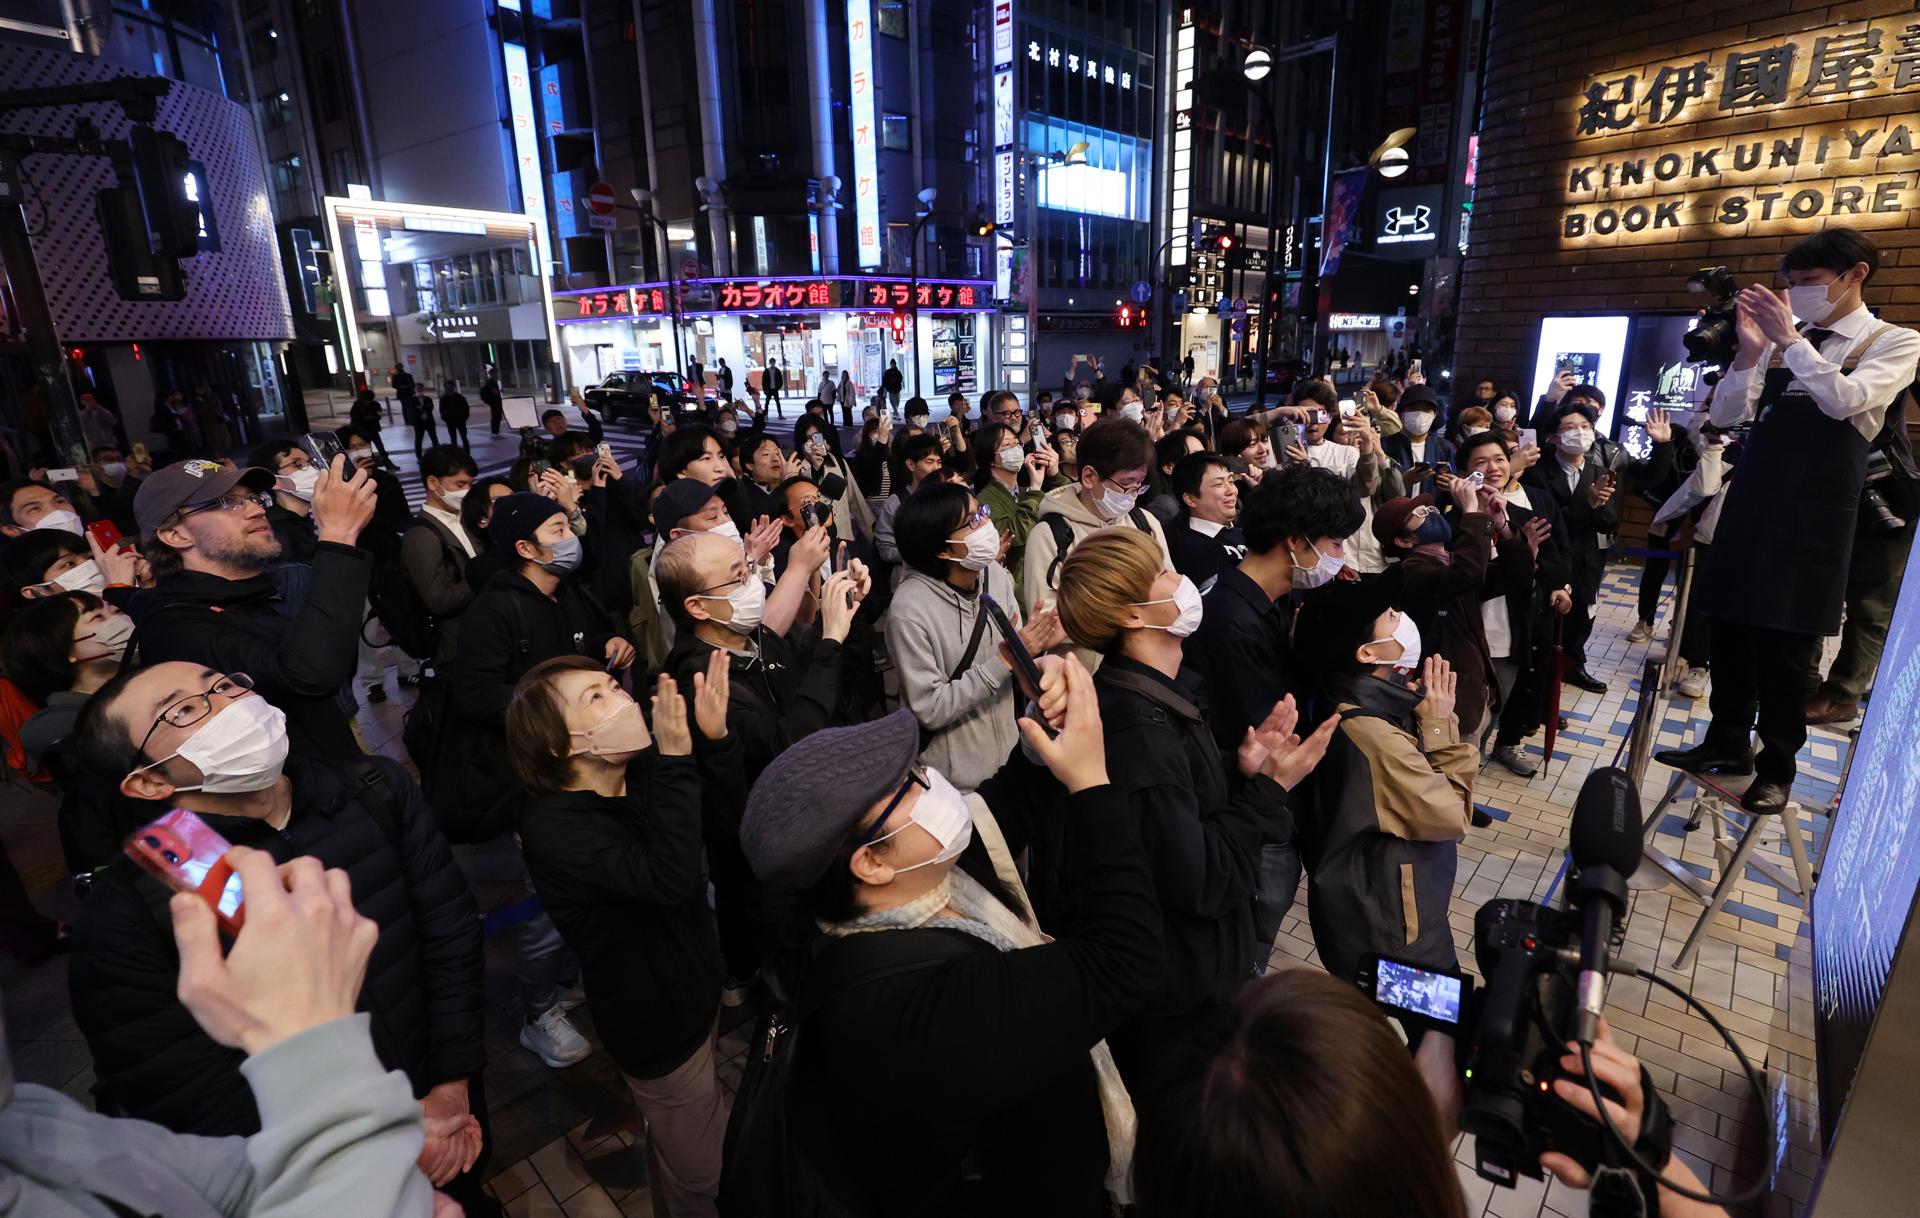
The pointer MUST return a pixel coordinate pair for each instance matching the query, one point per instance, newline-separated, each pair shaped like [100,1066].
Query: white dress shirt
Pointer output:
[454,526]
[1861,396]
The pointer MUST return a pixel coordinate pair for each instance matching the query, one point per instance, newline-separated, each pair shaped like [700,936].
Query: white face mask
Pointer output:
[726,529]
[114,469]
[1187,597]
[240,749]
[1418,422]
[1505,414]
[1170,412]
[1065,422]
[1324,568]
[1116,503]
[1406,632]
[1809,302]
[918,420]
[942,812]
[1083,392]
[749,602]
[729,426]
[1579,440]
[1010,459]
[87,577]
[111,633]
[300,482]
[66,522]
[1474,431]
[983,547]
[357,455]
[453,499]
[1132,411]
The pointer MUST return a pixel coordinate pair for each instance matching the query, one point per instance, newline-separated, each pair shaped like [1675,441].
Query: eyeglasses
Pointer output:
[1125,489]
[195,707]
[231,503]
[1420,513]
[916,777]
[974,520]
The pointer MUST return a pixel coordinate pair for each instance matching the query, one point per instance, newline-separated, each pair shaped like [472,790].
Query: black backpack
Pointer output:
[767,1170]
[1063,540]
[396,604]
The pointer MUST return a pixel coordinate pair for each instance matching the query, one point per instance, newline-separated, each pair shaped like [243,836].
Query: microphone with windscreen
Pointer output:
[1604,845]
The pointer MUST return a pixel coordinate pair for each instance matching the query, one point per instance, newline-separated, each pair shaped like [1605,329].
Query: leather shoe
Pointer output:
[1822,710]
[1765,796]
[1580,678]
[1706,759]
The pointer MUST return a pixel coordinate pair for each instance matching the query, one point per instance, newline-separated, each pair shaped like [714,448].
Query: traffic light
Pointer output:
[160,177]
[1126,316]
[899,327]
[1141,319]
[1214,243]
[980,226]
[137,273]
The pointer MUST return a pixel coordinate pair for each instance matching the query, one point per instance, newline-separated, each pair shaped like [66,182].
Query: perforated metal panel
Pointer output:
[236,293]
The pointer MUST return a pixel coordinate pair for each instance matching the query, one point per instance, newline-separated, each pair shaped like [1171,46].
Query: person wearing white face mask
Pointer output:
[1010,487]
[1114,457]
[613,840]
[437,547]
[1393,797]
[953,676]
[290,514]
[26,505]
[59,650]
[1418,443]
[1293,524]
[889,867]
[187,737]
[780,689]
[1827,401]
[1205,818]
[1582,476]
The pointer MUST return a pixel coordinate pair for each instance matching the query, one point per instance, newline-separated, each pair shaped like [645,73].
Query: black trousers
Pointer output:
[1765,671]
[457,434]
[1653,579]
[498,411]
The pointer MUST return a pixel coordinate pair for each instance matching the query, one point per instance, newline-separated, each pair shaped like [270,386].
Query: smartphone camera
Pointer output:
[166,852]
[813,515]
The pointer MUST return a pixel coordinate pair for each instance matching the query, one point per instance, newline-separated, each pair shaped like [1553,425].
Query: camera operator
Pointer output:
[1818,396]
[1303,1061]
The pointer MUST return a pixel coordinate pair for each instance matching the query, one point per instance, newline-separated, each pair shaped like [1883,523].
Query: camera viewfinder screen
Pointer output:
[1406,988]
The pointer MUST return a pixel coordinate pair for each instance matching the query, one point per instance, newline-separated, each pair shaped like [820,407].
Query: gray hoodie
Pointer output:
[338,1136]
[969,718]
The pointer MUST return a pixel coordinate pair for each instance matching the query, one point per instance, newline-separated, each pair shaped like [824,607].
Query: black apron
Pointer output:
[1785,536]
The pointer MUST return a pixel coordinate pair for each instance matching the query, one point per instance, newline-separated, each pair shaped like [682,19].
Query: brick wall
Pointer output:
[1544,54]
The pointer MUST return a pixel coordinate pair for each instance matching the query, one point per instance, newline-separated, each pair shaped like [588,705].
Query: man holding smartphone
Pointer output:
[1818,393]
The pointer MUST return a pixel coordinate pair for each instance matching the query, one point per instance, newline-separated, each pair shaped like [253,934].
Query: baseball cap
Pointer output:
[186,484]
[1390,518]
[681,499]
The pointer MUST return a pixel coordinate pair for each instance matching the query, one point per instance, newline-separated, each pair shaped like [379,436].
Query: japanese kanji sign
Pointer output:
[1666,154]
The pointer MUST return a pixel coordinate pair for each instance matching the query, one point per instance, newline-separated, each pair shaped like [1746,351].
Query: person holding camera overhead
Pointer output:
[1817,395]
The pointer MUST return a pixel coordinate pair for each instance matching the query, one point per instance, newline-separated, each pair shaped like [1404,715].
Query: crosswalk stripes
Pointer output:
[627,450]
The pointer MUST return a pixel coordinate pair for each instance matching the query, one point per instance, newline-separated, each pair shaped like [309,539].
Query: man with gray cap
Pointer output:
[218,603]
[939,1027]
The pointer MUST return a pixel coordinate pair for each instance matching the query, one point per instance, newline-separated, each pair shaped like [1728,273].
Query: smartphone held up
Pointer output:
[184,853]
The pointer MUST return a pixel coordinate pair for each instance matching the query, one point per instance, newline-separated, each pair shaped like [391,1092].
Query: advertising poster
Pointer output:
[1659,376]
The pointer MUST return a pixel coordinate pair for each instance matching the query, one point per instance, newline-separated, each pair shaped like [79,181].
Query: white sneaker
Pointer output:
[555,1040]
[1641,632]
[1693,684]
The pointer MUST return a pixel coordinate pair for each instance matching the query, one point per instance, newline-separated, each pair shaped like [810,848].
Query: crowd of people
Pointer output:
[982,758]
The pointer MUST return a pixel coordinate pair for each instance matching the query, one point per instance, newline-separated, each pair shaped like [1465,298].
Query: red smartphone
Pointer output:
[106,533]
[183,853]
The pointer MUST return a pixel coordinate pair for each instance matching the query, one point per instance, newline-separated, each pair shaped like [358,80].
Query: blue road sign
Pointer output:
[1142,292]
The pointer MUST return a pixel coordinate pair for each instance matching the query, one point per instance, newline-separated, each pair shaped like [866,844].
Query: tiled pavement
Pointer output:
[564,1141]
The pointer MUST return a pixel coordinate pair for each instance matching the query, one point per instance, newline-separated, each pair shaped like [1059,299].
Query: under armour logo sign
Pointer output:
[1408,220]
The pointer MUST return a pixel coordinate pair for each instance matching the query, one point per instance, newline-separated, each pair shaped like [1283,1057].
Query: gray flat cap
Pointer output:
[806,802]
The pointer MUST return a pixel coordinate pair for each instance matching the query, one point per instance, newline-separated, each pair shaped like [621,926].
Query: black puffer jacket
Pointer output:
[423,986]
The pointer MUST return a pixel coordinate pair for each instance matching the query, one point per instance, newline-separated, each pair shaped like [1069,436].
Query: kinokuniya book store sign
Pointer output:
[1790,133]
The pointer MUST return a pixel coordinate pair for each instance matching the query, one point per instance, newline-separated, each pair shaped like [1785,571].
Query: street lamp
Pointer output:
[977,226]
[1258,64]
[643,203]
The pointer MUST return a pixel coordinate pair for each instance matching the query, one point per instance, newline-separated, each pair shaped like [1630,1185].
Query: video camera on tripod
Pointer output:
[1545,976]
[1716,338]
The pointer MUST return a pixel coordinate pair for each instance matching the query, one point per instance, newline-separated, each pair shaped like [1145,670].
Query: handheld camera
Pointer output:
[1715,339]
